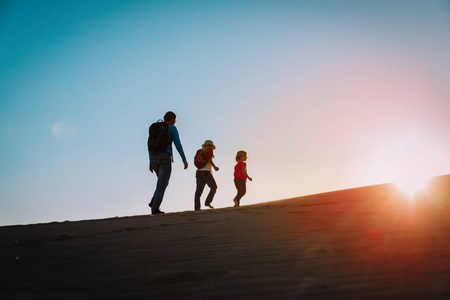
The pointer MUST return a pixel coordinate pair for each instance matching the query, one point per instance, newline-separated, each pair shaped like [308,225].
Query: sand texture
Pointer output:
[364,243]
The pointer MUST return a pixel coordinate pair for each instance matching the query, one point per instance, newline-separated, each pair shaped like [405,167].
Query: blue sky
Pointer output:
[323,95]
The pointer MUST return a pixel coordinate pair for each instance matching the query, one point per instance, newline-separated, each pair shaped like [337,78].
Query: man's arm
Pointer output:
[177,142]
[150,161]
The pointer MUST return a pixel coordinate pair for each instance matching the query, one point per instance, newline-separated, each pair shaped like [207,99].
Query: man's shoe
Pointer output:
[157,212]
[209,205]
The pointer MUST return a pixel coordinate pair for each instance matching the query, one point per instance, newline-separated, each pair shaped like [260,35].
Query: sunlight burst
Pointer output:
[408,161]
[413,184]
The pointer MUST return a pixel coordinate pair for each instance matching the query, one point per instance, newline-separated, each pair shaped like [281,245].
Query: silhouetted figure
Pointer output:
[161,136]
[240,176]
[204,162]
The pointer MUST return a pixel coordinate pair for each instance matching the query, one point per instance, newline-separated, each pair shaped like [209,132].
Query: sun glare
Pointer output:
[409,162]
[412,185]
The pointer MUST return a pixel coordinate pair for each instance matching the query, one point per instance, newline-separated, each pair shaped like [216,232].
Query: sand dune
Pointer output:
[364,243]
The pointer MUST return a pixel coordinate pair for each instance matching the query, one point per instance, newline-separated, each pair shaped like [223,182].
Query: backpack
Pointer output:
[158,136]
[200,159]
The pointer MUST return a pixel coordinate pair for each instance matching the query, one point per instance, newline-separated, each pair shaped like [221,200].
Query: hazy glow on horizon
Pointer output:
[406,162]
[323,95]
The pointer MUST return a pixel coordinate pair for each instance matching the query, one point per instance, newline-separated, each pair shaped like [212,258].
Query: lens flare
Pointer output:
[412,185]
[408,161]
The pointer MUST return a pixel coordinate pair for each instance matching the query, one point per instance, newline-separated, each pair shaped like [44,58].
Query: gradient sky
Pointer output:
[323,95]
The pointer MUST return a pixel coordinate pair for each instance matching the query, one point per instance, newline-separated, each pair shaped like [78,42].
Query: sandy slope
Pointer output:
[365,243]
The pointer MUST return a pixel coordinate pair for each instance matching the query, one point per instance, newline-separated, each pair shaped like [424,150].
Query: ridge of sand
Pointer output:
[363,243]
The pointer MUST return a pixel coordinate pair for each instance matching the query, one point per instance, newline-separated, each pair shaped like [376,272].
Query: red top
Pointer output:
[238,170]
[205,156]
[209,153]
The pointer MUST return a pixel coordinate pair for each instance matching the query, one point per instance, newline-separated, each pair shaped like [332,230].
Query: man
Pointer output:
[161,162]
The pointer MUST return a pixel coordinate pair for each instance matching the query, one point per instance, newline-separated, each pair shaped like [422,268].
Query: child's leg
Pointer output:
[209,179]
[199,190]
[241,189]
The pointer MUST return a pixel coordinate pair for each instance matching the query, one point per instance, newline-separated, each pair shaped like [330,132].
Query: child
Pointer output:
[240,176]
[204,173]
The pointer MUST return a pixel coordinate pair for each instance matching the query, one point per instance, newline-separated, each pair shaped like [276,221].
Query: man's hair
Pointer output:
[240,154]
[170,115]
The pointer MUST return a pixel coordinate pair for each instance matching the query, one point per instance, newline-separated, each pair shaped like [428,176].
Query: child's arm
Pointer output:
[212,164]
[244,171]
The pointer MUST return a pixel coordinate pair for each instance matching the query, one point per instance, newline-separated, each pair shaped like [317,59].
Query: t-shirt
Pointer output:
[238,170]
[209,155]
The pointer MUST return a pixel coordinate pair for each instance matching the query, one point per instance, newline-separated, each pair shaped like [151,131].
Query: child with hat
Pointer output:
[204,162]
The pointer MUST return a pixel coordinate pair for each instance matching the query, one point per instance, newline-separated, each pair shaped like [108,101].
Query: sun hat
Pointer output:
[209,143]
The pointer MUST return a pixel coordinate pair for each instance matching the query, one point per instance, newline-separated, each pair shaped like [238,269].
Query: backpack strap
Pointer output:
[170,142]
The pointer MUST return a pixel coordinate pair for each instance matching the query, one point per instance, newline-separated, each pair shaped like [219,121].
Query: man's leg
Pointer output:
[163,171]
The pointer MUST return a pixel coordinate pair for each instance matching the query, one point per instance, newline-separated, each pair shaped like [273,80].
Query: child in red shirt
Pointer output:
[240,176]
